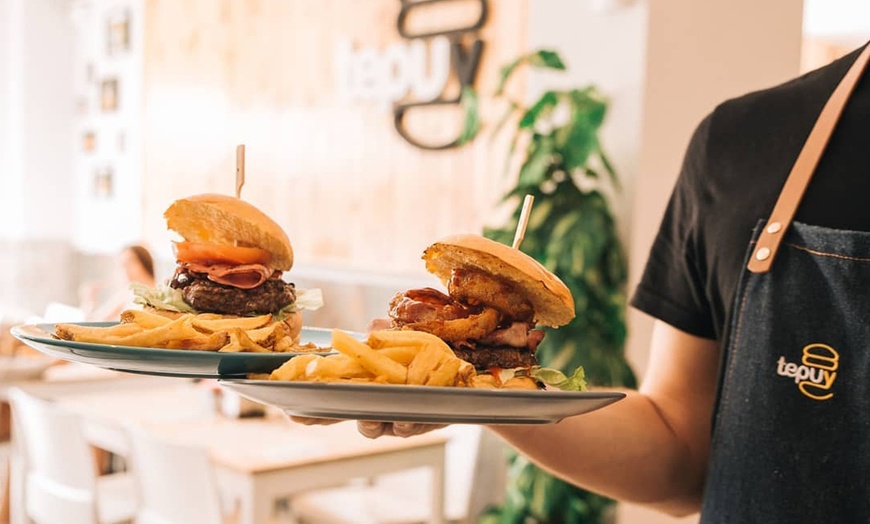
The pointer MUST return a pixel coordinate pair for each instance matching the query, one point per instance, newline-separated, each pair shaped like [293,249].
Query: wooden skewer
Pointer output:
[524,221]
[240,169]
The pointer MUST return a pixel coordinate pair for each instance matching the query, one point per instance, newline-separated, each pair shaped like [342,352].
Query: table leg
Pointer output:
[4,496]
[437,492]
[256,505]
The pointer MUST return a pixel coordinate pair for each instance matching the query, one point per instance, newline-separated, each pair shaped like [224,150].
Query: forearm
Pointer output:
[627,451]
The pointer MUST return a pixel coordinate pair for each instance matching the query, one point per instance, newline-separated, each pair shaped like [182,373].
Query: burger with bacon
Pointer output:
[497,298]
[230,261]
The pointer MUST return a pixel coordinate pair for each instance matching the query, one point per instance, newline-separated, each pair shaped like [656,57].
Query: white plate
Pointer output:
[447,405]
[163,362]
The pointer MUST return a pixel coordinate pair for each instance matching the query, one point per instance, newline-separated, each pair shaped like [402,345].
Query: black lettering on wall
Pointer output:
[464,64]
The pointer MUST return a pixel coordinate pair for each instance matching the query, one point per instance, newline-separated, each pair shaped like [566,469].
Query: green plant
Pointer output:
[572,232]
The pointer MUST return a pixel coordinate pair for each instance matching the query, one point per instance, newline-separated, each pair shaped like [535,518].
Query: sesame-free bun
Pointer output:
[549,296]
[225,220]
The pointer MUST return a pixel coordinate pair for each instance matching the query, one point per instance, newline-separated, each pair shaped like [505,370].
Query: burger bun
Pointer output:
[225,220]
[549,296]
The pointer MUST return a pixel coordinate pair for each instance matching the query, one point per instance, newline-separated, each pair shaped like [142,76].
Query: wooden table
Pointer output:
[259,460]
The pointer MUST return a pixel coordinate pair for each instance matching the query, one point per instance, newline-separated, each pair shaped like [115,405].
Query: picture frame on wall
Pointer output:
[89,142]
[109,95]
[118,31]
[103,182]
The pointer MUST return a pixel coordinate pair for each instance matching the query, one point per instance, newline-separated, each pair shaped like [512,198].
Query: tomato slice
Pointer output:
[214,254]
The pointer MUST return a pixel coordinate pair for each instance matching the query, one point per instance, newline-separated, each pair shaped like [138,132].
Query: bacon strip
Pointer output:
[246,276]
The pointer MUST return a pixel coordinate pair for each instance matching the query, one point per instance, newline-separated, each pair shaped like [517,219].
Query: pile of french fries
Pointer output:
[387,357]
[202,332]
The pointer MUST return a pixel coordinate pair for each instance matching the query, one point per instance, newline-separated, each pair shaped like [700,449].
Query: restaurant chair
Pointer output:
[475,472]
[176,482]
[60,480]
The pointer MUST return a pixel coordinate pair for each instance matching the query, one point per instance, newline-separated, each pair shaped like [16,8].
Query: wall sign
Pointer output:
[416,72]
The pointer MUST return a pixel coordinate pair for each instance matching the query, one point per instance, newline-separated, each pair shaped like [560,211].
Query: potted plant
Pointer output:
[572,231]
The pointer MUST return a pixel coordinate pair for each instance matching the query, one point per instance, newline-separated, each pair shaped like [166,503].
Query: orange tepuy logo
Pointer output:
[816,373]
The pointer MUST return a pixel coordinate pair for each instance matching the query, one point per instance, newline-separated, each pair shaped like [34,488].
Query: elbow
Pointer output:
[678,507]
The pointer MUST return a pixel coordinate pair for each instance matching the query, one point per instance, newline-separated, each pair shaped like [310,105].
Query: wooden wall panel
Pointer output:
[349,191]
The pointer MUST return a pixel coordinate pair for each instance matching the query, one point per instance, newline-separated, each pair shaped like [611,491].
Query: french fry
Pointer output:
[426,361]
[240,342]
[228,324]
[144,319]
[201,332]
[389,337]
[200,342]
[336,366]
[93,334]
[293,369]
[369,358]
[446,373]
[268,335]
[401,354]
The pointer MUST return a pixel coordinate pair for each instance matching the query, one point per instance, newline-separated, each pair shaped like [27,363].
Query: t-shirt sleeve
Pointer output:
[671,288]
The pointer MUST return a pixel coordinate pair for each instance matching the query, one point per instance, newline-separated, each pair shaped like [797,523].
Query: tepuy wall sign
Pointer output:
[417,72]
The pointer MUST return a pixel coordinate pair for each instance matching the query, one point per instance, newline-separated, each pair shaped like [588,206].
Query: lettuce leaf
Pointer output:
[161,297]
[310,299]
[555,378]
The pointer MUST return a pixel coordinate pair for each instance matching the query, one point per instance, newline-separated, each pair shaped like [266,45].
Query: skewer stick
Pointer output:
[524,221]
[240,169]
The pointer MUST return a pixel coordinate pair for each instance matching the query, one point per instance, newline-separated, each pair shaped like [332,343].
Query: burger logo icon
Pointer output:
[816,373]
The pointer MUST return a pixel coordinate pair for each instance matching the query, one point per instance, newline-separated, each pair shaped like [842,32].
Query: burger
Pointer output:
[497,299]
[230,261]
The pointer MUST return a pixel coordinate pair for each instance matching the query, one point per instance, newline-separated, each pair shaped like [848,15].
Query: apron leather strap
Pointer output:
[802,171]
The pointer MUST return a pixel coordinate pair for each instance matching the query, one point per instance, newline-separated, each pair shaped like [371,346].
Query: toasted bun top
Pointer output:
[550,297]
[225,220]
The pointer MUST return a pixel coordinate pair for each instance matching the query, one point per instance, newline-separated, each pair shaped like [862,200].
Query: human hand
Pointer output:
[374,429]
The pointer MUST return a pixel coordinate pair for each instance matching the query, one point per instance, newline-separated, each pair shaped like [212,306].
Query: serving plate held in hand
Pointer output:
[427,404]
[162,362]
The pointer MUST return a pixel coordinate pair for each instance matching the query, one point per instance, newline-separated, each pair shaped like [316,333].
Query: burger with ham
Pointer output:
[230,261]
[497,298]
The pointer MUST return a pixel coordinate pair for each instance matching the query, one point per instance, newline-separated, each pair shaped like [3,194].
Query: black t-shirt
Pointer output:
[736,163]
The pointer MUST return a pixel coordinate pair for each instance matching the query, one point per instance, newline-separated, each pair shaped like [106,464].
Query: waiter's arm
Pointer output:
[651,447]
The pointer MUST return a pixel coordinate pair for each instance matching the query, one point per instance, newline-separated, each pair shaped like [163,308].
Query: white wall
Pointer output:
[36,119]
[93,63]
[604,46]
[845,21]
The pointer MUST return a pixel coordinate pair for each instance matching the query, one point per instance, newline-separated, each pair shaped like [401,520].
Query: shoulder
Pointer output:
[797,101]
[736,136]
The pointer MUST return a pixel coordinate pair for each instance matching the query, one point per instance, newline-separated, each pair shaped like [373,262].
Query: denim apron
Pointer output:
[791,440]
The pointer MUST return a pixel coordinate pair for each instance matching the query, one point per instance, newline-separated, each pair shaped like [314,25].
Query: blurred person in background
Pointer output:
[104,300]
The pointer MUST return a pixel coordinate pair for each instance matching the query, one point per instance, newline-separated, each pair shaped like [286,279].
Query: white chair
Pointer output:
[177,484]
[60,480]
[475,469]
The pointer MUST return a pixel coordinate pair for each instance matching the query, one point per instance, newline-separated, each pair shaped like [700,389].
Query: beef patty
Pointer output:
[210,297]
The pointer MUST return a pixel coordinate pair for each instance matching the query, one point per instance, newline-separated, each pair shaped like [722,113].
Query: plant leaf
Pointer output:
[471,109]
[542,108]
[542,58]
[534,169]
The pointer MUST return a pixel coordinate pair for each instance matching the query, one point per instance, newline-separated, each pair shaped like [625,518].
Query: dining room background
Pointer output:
[111,109]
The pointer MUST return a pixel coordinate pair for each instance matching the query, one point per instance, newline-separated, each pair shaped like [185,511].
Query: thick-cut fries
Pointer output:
[203,332]
[144,319]
[368,358]
[227,324]
[387,357]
